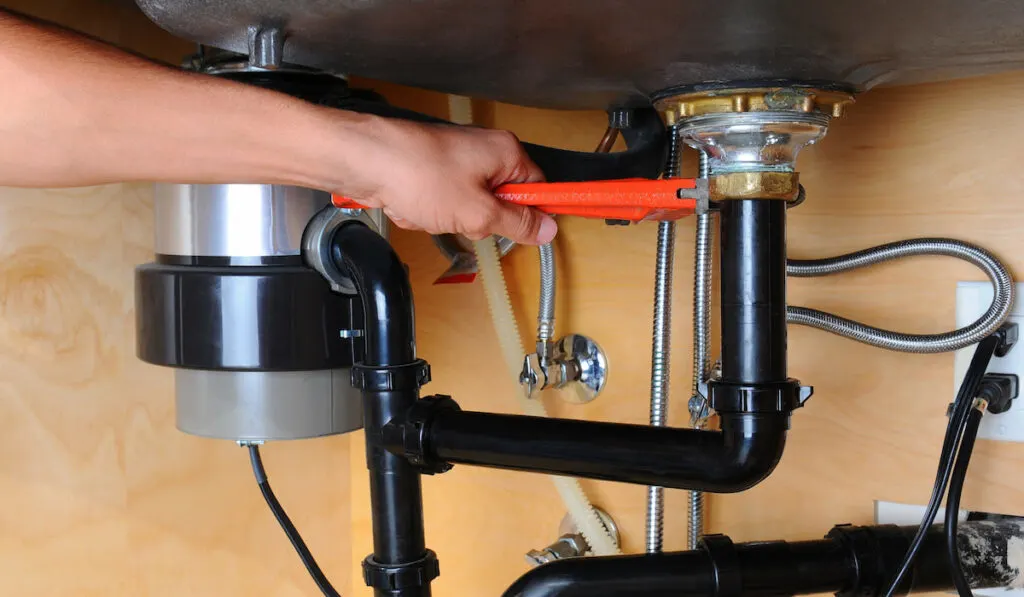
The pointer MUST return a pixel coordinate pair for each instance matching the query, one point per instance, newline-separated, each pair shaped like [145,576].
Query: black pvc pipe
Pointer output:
[775,568]
[851,562]
[395,493]
[396,498]
[646,137]
[383,285]
[736,458]
[682,574]
[753,290]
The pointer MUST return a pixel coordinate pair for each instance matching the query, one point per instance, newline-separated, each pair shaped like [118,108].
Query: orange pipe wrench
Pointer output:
[631,199]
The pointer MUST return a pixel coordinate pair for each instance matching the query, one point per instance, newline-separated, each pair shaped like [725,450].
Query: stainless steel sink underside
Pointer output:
[602,53]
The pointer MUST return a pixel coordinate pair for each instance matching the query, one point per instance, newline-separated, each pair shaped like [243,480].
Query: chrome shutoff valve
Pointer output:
[571,545]
[570,542]
[574,361]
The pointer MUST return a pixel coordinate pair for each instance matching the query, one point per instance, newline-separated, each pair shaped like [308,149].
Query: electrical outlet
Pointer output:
[972,300]
[907,514]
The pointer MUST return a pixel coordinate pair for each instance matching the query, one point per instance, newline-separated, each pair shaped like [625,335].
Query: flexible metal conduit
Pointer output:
[918,343]
[702,256]
[661,343]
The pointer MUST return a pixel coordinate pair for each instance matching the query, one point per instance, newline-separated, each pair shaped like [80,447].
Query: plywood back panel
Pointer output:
[103,496]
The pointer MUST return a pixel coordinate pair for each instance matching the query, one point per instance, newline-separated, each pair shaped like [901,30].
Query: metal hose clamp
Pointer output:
[316,242]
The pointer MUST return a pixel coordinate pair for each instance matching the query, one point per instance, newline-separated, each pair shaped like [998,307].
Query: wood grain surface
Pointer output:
[102,496]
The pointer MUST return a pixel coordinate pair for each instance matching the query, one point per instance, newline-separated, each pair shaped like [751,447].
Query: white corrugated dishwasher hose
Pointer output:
[576,502]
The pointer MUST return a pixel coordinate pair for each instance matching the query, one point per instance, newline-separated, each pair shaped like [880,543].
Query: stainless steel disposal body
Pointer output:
[260,343]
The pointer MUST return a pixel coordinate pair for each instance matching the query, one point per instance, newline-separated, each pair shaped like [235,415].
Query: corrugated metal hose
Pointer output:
[546,310]
[996,314]
[661,342]
[703,252]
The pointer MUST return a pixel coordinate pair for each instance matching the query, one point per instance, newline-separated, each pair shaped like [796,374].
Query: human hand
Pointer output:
[440,178]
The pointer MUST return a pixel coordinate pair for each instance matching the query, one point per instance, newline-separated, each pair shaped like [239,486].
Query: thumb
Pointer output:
[525,225]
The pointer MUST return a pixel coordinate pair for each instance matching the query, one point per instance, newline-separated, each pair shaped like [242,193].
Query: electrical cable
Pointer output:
[286,524]
[956,487]
[955,431]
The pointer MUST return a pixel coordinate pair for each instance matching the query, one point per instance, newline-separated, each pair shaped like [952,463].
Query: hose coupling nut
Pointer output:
[571,543]
[566,546]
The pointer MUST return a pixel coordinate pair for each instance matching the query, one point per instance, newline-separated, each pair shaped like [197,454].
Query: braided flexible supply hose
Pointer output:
[546,310]
[660,352]
[996,314]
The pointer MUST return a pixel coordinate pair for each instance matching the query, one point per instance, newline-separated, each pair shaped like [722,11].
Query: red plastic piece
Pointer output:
[633,199]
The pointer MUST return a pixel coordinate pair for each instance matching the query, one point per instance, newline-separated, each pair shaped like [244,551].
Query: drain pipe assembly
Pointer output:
[851,561]
[749,138]
[754,396]
[389,378]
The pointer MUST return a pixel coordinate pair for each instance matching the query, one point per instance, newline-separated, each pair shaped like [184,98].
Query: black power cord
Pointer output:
[286,524]
[959,421]
[996,393]
[956,486]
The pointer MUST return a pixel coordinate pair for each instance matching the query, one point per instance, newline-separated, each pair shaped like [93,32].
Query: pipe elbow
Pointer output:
[554,579]
[688,573]
[752,445]
[384,291]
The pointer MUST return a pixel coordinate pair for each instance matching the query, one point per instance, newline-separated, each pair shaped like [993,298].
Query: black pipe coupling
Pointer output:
[408,437]
[728,574]
[765,397]
[401,577]
[396,378]
[876,551]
